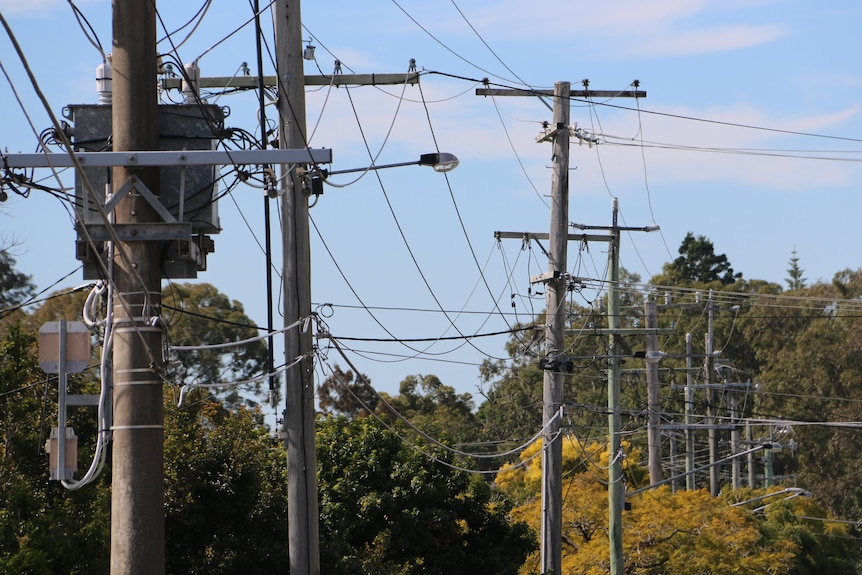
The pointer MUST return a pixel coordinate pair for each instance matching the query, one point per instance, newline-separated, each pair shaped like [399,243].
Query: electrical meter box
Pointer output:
[181,127]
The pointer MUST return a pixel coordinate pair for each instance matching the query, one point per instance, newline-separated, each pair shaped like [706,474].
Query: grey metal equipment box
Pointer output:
[181,127]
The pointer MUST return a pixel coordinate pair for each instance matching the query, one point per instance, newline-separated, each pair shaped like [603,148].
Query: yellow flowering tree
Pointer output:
[686,533]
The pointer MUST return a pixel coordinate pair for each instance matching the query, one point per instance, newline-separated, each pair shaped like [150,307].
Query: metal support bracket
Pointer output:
[133,183]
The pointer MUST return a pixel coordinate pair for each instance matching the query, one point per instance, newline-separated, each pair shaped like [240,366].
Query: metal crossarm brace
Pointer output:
[169,158]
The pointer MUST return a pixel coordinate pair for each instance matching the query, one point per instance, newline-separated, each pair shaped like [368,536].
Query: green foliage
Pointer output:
[794,279]
[687,533]
[697,264]
[811,366]
[15,286]
[386,508]
[513,390]
[226,494]
[200,314]
[423,400]
[343,394]
[67,306]
[822,545]
[43,528]
[435,408]
[225,490]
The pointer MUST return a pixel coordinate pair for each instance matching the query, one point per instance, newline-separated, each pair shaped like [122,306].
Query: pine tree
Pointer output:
[795,280]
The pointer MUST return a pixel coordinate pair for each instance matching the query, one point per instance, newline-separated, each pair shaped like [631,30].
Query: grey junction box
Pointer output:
[181,127]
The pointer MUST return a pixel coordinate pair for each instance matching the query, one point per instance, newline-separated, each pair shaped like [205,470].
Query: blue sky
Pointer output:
[750,135]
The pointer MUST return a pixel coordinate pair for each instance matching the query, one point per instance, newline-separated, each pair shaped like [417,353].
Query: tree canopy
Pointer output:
[15,286]
[687,533]
[199,314]
[794,274]
[387,508]
[391,504]
[697,264]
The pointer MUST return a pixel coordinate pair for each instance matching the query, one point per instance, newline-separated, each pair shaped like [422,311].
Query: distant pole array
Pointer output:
[555,361]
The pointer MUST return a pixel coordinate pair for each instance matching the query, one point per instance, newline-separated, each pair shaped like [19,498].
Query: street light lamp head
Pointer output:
[441,161]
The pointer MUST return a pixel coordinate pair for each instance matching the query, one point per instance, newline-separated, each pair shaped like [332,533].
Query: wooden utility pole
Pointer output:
[653,401]
[137,480]
[615,473]
[555,359]
[303,526]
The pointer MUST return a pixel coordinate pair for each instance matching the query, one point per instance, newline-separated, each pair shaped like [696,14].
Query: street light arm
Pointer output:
[441,162]
[699,469]
[791,492]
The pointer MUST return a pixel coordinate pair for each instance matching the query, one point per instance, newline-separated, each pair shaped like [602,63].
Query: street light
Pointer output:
[791,492]
[699,469]
[439,161]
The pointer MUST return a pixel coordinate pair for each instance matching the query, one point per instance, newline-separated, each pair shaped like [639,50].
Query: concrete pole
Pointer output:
[689,418]
[137,474]
[709,376]
[768,460]
[752,469]
[653,401]
[736,464]
[303,525]
[552,456]
[615,475]
[674,485]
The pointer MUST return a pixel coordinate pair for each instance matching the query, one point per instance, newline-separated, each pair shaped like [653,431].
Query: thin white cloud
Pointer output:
[30,7]
[772,168]
[707,41]
[636,29]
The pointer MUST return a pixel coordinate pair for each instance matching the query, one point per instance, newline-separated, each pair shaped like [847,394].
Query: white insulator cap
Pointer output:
[104,83]
[191,82]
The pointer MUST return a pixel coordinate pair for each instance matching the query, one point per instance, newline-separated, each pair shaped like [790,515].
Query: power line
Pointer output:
[640,110]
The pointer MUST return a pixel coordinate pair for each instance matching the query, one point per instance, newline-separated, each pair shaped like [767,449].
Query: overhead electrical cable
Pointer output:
[92,194]
[422,433]
[355,293]
[401,232]
[195,22]
[517,156]
[233,32]
[443,44]
[228,344]
[55,173]
[640,135]
[491,50]
[594,119]
[372,157]
[88,30]
[641,110]
[35,299]
[484,280]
